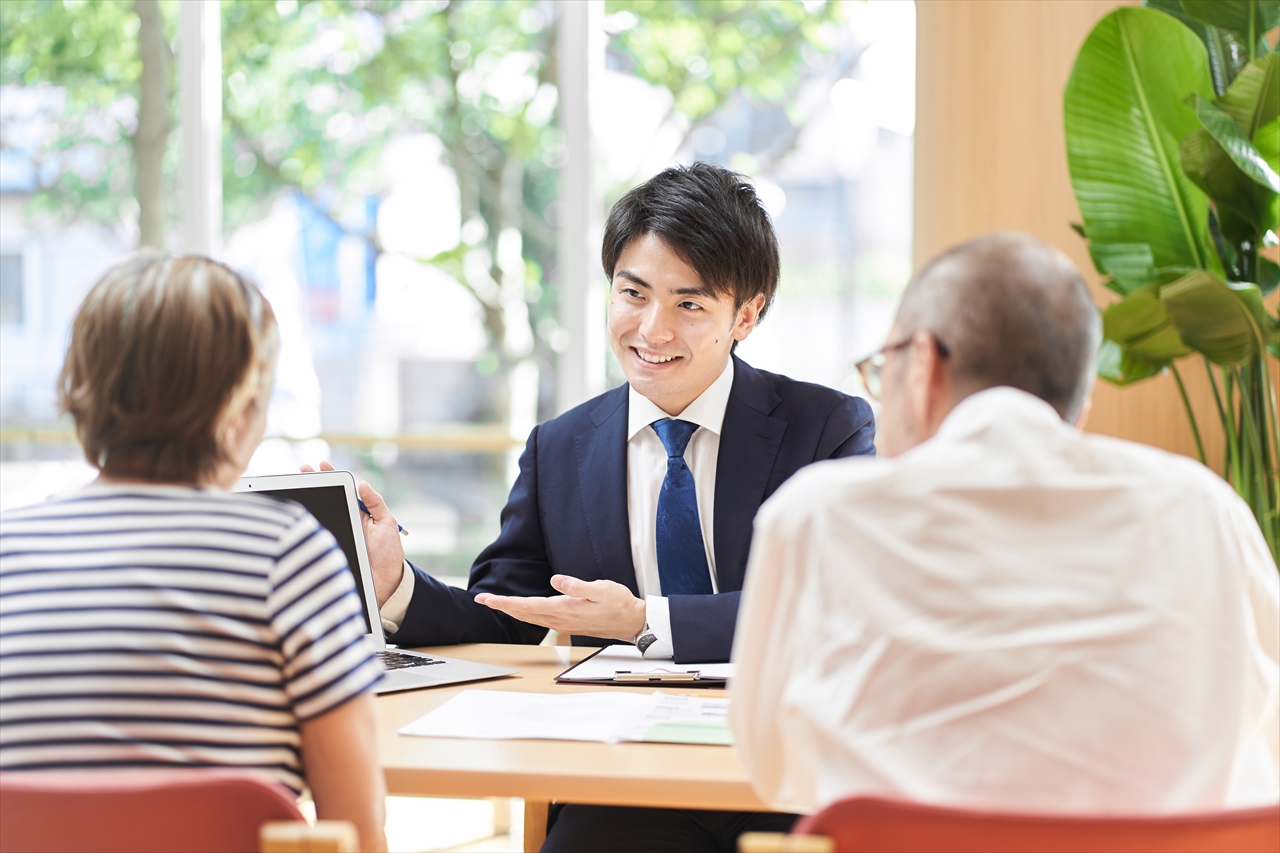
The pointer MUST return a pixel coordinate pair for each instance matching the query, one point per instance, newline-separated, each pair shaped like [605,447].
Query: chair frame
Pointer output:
[891,826]
[185,809]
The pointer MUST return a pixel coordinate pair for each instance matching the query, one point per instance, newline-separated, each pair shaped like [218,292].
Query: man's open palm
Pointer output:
[586,608]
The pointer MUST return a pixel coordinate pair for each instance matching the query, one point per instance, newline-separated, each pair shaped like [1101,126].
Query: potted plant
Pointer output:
[1172,116]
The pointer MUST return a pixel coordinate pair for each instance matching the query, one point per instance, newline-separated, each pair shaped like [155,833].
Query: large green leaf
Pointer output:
[1134,317]
[1253,98]
[1215,172]
[1268,276]
[1226,54]
[1130,265]
[1121,367]
[1140,324]
[1164,344]
[1226,322]
[1139,339]
[1234,142]
[1267,141]
[1124,120]
[1250,18]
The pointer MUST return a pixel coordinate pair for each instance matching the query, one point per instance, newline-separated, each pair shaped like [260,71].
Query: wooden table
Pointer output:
[634,774]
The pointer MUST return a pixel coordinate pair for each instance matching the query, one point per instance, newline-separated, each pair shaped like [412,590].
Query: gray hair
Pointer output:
[1011,311]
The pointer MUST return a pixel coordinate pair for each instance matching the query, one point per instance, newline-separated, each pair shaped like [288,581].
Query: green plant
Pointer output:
[1172,116]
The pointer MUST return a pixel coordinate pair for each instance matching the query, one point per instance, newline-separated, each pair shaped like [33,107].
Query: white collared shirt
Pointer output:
[646,469]
[1013,615]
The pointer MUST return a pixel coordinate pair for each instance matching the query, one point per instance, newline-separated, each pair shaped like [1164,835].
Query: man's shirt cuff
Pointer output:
[393,612]
[657,613]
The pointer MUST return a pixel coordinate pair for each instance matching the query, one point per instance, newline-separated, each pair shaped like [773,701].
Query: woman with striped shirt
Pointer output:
[155,620]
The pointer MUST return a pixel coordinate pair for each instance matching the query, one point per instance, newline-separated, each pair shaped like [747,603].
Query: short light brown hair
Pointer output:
[158,350]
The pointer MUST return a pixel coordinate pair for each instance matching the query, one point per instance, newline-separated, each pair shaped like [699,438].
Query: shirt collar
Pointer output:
[993,405]
[706,411]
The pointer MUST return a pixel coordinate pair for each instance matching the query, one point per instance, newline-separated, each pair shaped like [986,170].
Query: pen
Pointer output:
[365,510]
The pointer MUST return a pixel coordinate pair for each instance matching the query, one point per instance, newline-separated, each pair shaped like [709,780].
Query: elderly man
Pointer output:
[1006,613]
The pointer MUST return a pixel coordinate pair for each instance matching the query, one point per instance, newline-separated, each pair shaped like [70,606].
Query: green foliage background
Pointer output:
[90,49]
[314,90]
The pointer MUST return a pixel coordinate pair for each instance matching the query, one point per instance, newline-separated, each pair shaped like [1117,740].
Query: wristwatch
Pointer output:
[645,639]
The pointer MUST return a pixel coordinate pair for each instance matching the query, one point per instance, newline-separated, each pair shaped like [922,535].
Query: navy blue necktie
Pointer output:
[682,557]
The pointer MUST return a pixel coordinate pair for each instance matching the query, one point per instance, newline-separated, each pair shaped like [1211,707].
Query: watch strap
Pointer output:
[645,639]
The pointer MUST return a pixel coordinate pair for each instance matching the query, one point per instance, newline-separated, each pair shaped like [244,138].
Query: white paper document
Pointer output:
[684,719]
[603,717]
[605,665]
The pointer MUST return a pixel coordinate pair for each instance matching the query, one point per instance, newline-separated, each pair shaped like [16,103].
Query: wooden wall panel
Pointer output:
[990,155]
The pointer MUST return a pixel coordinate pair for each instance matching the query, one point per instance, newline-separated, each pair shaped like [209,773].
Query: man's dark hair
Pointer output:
[712,219]
[1011,311]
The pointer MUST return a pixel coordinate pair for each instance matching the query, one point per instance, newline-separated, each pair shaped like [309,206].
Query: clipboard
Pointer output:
[624,665]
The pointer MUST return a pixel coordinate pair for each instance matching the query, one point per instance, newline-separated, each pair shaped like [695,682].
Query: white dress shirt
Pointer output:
[1013,615]
[646,469]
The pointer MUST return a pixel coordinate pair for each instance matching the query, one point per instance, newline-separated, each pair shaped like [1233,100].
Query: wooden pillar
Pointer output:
[535,824]
[990,155]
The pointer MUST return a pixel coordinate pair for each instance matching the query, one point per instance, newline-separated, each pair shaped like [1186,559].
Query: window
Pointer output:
[11,283]
[396,177]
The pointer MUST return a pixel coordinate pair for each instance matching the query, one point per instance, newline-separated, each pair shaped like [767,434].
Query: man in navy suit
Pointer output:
[632,514]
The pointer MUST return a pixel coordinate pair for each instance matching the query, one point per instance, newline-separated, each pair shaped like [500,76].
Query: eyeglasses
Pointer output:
[871,367]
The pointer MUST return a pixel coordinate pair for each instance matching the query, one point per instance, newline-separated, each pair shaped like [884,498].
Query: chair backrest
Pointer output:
[870,824]
[143,811]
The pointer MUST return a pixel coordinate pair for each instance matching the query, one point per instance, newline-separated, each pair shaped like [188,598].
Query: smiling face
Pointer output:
[670,332]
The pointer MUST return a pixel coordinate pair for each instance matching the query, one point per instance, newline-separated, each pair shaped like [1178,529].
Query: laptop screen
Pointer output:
[329,505]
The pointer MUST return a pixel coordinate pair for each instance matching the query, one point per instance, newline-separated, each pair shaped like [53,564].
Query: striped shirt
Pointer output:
[147,626]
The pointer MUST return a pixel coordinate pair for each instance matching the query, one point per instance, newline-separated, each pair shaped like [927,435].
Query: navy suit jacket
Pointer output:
[567,512]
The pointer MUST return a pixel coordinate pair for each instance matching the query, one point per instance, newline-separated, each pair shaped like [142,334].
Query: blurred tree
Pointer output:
[705,51]
[315,90]
[109,77]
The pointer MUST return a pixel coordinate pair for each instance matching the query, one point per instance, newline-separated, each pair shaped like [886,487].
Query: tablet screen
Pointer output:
[329,505]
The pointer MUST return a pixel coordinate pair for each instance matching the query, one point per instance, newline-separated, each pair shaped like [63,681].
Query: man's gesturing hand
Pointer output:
[381,537]
[587,608]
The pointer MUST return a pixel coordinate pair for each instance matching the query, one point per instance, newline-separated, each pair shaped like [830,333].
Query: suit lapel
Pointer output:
[749,443]
[602,482]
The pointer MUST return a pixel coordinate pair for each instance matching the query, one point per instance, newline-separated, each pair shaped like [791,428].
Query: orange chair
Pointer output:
[869,824]
[162,811]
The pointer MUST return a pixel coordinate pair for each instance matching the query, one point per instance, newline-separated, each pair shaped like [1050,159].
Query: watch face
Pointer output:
[644,641]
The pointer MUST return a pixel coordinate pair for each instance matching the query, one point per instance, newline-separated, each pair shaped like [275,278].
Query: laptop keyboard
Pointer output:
[399,660]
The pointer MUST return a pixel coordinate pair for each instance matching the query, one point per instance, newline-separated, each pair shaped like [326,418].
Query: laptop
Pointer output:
[331,497]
